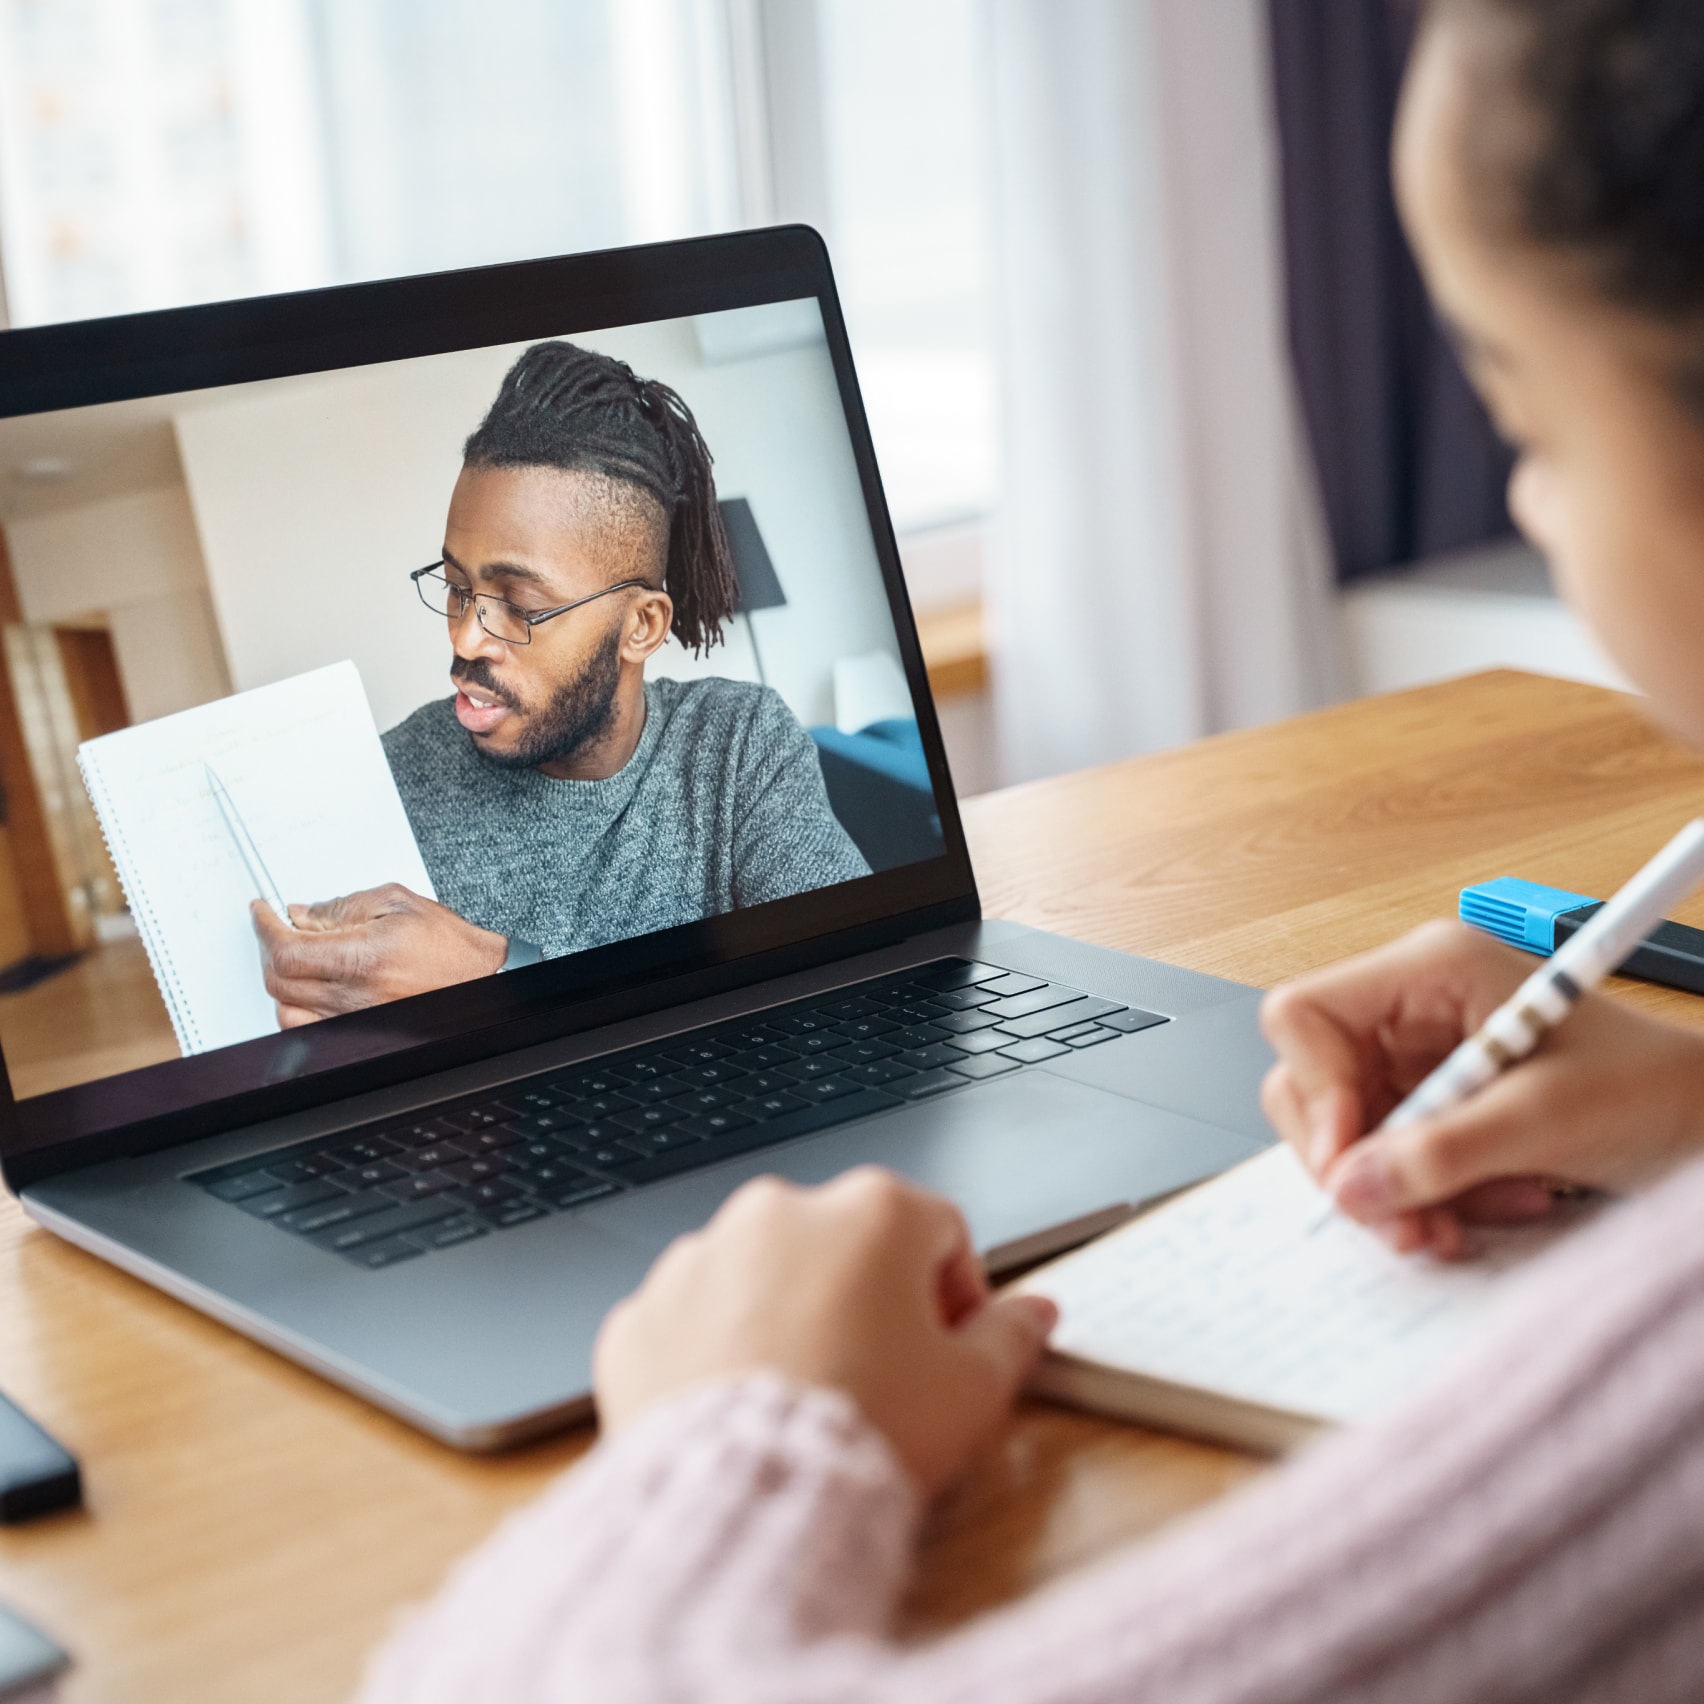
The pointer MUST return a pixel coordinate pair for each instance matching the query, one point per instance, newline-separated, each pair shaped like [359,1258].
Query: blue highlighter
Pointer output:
[1539,919]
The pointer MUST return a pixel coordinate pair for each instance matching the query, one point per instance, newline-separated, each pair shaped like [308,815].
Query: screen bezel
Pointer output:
[186,349]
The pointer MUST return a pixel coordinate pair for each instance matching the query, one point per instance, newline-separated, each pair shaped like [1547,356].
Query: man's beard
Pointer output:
[579,713]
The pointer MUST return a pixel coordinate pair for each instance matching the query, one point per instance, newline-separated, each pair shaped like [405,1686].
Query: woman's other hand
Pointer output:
[867,1285]
[1610,1100]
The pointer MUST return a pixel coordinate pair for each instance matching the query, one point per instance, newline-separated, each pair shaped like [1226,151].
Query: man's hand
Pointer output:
[868,1285]
[365,949]
[1609,1100]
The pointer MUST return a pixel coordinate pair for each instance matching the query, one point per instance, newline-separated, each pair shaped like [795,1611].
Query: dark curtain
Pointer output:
[1408,463]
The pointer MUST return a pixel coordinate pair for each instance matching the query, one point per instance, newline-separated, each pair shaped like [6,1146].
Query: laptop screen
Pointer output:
[376,705]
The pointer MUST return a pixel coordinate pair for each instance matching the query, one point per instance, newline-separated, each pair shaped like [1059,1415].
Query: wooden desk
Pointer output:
[250,1530]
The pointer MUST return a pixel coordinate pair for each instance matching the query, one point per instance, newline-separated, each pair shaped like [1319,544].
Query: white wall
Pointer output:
[133,559]
[315,497]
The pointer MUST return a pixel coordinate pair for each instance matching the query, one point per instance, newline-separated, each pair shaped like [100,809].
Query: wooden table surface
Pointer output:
[250,1530]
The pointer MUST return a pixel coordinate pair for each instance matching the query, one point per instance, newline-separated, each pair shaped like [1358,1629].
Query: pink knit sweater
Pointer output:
[1531,1528]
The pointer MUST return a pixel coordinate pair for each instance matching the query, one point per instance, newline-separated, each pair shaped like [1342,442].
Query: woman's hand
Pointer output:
[867,1285]
[1608,1101]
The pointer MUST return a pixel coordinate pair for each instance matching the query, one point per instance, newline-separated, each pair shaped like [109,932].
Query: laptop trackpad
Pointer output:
[1024,1157]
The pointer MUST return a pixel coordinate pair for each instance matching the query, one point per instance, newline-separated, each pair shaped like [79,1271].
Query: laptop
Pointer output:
[690,897]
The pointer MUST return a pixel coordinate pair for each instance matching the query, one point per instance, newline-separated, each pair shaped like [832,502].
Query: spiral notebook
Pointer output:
[1248,1312]
[283,790]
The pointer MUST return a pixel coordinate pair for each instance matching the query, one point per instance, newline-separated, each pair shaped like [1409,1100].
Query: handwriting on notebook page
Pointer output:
[1227,1290]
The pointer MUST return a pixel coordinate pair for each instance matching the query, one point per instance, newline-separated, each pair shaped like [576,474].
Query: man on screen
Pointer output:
[560,799]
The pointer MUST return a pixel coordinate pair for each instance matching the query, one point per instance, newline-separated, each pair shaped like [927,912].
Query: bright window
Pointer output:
[157,152]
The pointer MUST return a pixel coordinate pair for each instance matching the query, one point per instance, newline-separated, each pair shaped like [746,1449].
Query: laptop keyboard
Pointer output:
[401,1188]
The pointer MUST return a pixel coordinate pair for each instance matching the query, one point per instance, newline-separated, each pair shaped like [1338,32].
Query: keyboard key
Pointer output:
[714,1124]
[541,1180]
[646,1070]
[303,1170]
[419,1188]
[707,1100]
[541,1099]
[801,1023]
[467,1119]
[478,1168]
[746,1039]
[700,1052]
[919,1035]
[361,1151]
[877,1075]
[605,1106]
[966,1023]
[658,1089]
[772,1106]
[1092,1037]
[823,1065]
[393,1221]
[1041,999]
[495,1140]
[828,1089]
[290,1197]
[1010,982]
[242,1186]
[764,1083]
[650,1117]
[575,1194]
[985,1065]
[712,1076]
[370,1177]
[495,1193]
[963,999]
[421,1135]
[453,1231]
[930,1083]
[515,1213]
[860,1008]
[610,1158]
[979,1041]
[601,1080]
[660,1141]
[959,974]
[930,1058]
[866,1029]
[821,1042]
[546,1123]
[917,1015]
[305,1220]
[1034,1051]
[764,1058]
[1057,1018]
[864,1052]
[387,1253]
[604,1134]
[429,1159]
[541,1151]
[1128,1023]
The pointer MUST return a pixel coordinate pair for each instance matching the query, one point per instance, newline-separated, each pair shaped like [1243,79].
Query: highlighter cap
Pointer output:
[1522,913]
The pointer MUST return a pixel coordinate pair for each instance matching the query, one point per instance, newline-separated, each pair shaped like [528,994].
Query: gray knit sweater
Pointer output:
[721,805]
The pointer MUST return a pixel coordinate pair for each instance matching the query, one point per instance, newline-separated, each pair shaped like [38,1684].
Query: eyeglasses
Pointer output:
[497,616]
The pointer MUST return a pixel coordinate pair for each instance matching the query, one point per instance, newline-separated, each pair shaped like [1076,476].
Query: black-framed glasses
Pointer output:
[497,616]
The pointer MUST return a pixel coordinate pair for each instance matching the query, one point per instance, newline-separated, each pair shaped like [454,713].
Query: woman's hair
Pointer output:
[570,408]
[1606,102]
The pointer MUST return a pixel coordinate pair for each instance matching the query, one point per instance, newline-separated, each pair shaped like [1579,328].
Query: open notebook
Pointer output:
[1244,1311]
[308,803]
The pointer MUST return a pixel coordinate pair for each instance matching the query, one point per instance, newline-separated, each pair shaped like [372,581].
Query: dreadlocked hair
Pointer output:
[565,407]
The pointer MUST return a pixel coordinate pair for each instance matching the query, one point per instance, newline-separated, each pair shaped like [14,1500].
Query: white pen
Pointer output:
[1553,991]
